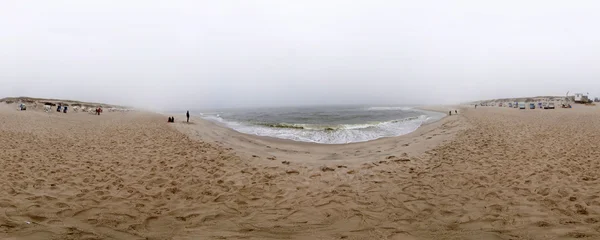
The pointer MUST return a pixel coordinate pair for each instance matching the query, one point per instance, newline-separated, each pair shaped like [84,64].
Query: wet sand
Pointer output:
[487,173]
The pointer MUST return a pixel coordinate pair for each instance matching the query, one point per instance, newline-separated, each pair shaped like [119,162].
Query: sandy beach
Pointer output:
[486,173]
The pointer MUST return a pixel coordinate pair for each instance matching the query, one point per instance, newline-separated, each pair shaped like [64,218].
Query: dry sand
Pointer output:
[489,173]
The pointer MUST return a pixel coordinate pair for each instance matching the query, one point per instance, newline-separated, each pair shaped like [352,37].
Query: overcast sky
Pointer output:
[223,53]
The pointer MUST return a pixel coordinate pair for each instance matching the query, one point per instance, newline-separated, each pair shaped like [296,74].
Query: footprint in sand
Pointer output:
[158,224]
[327,169]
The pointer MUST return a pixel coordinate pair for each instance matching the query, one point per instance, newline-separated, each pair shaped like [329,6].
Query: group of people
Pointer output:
[172,119]
[63,108]
[450,112]
[60,108]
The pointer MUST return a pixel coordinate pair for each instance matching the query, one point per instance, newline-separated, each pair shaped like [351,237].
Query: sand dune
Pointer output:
[489,173]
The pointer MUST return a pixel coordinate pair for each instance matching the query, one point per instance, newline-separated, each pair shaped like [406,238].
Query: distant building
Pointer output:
[581,98]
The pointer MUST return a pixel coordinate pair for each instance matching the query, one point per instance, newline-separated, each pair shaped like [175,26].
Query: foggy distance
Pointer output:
[222,54]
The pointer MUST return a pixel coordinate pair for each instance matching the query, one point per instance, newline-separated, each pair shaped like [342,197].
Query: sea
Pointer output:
[324,124]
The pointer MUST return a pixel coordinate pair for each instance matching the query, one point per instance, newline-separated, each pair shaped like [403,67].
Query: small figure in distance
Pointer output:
[187,114]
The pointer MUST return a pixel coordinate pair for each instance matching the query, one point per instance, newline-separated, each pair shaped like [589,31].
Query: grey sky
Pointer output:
[250,53]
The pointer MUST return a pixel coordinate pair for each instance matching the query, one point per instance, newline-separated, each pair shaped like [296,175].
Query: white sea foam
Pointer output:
[327,134]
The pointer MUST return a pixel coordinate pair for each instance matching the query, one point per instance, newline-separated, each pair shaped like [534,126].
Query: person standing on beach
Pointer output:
[450,112]
[456,111]
[187,114]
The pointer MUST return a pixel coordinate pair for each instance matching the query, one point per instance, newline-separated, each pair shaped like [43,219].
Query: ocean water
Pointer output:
[326,125]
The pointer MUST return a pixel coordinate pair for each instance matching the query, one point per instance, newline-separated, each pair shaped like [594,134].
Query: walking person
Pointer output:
[450,112]
[187,114]
[456,111]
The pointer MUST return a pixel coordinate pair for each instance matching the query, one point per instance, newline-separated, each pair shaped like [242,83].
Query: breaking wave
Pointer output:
[326,134]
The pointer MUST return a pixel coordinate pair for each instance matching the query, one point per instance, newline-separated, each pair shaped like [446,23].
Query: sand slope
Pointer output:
[492,174]
[118,175]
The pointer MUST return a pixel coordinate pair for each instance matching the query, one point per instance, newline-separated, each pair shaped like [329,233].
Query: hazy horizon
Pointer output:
[238,54]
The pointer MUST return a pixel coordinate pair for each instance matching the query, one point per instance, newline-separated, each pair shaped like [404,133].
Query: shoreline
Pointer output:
[426,110]
[413,144]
